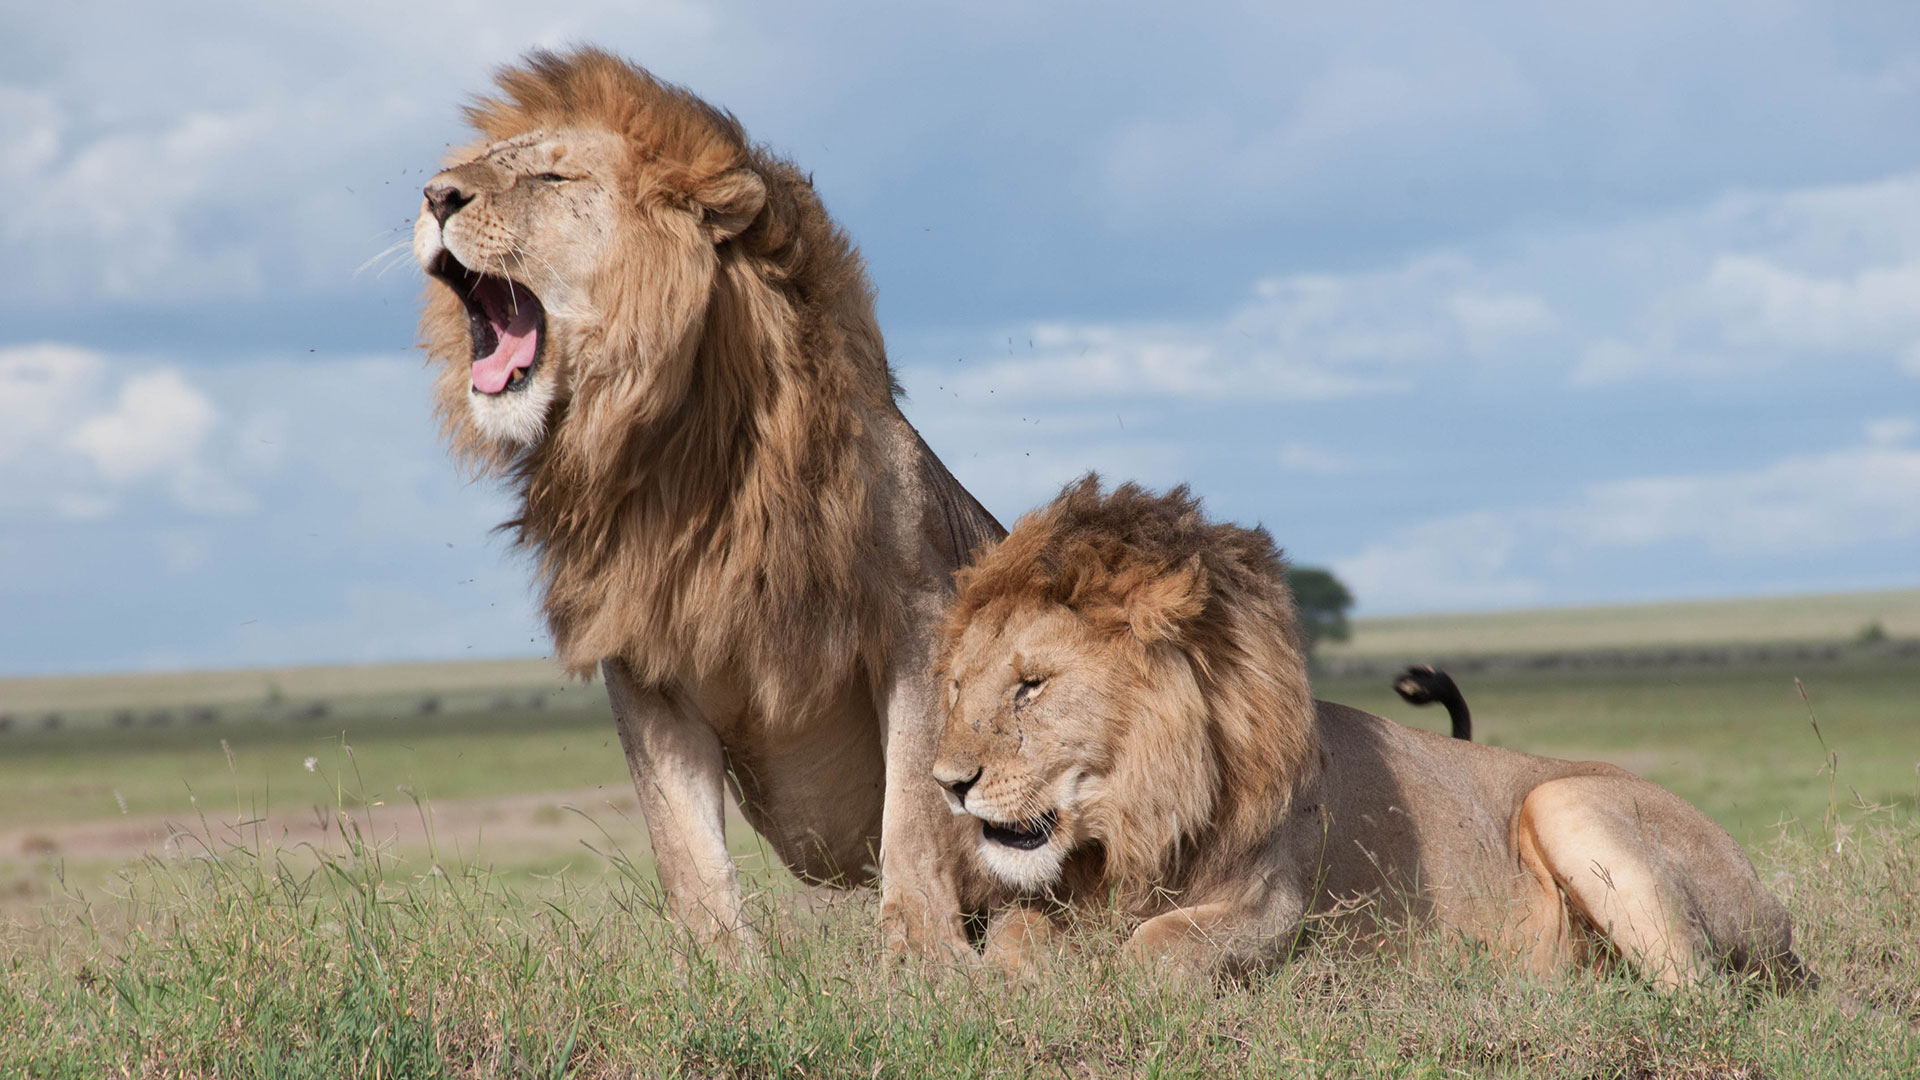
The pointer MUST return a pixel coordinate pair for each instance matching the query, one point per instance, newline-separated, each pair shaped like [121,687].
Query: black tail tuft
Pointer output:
[1424,685]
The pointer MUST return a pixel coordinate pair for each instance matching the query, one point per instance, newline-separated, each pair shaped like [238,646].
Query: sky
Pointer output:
[1481,305]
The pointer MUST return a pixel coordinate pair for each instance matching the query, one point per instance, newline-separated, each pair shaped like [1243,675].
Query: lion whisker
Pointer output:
[521,258]
[403,257]
[513,295]
[523,255]
[391,249]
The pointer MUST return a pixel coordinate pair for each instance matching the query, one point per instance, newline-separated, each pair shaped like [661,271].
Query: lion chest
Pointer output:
[810,782]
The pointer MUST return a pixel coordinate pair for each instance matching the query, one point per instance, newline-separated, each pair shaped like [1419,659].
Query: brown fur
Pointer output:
[1145,569]
[1066,720]
[717,506]
[729,512]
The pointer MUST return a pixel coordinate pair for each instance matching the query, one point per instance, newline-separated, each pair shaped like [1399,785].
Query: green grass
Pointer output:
[253,964]
[1734,740]
[253,686]
[1830,617]
[239,952]
[82,775]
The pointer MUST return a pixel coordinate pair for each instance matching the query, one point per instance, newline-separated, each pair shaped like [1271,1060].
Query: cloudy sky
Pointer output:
[1483,305]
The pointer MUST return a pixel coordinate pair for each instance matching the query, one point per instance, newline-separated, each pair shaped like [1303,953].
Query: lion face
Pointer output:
[518,235]
[1061,734]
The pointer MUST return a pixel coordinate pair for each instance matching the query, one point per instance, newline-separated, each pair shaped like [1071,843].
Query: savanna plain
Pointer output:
[438,870]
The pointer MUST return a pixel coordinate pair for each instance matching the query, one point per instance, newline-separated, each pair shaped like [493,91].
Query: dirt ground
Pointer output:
[539,833]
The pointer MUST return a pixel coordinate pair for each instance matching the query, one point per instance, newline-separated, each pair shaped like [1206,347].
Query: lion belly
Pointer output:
[812,786]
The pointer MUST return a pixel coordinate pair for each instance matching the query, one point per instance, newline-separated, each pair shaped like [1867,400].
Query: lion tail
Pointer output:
[1422,684]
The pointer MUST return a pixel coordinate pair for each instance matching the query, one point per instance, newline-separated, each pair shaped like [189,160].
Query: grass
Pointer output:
[251,686]
[80,775]
[1735,740]
[497,945]
[1831,617]
[252,961]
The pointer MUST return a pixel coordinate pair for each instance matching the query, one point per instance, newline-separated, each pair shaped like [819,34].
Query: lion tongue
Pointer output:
[516,320]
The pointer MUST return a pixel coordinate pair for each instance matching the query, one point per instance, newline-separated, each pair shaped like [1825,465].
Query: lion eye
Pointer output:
[1027,688]
[553,178]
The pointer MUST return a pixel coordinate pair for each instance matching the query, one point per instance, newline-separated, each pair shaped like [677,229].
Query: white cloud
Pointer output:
[1301,337]
[124,179]
[1813,505]
[365,542]
[111,216]
[1490,321]
[1762,303]
[157,425]
[79,431]
[1750,284]
[29,132]
[1743,286]
[289,156]
[41,388]
[1458,561]
[1891,430]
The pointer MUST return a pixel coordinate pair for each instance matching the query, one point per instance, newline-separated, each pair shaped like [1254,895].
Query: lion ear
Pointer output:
[729,203]
[1157,607]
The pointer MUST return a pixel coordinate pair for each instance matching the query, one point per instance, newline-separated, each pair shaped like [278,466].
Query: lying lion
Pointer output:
[1129,723]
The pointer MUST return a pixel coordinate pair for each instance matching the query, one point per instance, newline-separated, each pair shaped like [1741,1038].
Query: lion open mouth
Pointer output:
[507,321]
[1023,836]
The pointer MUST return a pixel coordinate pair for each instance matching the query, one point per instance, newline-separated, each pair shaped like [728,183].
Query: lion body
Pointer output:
[1101,728]
[730,516]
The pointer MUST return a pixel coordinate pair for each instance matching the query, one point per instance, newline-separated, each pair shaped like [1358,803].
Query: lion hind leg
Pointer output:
[1545,939]
[1613,878]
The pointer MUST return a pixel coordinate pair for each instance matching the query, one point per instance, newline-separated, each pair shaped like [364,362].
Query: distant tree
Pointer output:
[1323,603]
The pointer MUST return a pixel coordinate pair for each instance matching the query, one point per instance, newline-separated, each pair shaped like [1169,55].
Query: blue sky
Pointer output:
[1483,305]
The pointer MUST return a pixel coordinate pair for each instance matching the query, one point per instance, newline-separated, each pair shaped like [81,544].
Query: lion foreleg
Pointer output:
[919,894]
[1019,938]
[679,772]
[1221,936]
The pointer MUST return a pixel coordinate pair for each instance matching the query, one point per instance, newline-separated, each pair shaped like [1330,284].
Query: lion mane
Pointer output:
[692,507]
[1151,567]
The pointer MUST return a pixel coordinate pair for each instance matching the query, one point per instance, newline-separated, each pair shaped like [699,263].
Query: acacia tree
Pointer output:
[1323,603]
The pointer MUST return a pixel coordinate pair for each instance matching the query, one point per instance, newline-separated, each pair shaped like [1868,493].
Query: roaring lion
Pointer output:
[1129,723]
[653,331]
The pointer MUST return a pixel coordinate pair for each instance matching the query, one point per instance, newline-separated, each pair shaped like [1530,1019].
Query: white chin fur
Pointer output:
[1034,869]
[515,417]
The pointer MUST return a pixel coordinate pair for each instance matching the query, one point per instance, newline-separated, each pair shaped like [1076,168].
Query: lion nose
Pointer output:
[959,787]
[445,199]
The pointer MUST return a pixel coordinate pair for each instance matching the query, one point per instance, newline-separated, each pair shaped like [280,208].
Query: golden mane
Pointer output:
[1133,562]
[702,501]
